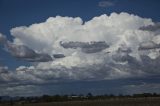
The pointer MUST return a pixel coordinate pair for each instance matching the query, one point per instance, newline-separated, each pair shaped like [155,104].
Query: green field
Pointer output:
[154,101]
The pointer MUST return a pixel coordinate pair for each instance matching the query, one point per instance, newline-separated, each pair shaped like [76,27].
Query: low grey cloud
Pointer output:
[23,52]
[86,47]
[154,27]
[114,70]
[150,66]
[2,39]
[111,70]
[105,4]
[5,75]
[40,58]
[148,45]
[3,69]
[122,57]
[58,55]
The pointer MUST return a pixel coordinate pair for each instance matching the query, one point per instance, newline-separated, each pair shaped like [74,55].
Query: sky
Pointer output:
[79,46]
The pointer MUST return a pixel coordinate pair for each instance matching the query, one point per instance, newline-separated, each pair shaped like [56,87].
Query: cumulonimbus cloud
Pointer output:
[106,47]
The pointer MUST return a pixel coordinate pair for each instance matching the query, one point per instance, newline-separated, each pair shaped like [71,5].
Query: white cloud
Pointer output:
[114,54]
[121,59]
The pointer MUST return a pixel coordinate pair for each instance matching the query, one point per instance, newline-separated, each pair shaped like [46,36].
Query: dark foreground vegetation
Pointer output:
[145,99]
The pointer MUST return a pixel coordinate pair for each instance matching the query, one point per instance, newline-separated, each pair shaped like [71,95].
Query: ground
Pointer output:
[150,101]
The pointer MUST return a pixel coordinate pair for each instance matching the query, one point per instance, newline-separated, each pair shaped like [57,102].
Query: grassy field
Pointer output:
[109,102]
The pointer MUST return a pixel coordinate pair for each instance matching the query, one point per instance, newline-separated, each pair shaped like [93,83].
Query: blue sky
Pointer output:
[17,13]
[21,12]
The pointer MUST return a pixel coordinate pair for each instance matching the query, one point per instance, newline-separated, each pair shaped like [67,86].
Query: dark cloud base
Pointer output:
[116,87]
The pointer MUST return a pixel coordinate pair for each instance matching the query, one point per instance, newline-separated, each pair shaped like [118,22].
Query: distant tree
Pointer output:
[147,94]
[89,96]
[81,95]
[46,98]
[142,95]
[21,99]
[57,98]
[127,96]
[120,95]
[111,96]
[64,98]
[155,95]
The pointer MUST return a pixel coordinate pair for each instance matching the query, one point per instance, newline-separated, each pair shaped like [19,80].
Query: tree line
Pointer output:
[73,97]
